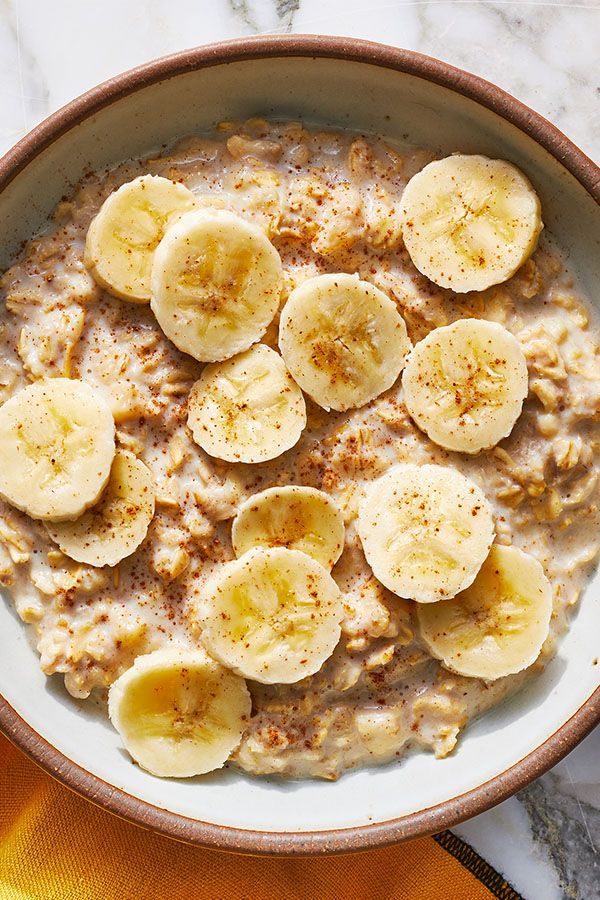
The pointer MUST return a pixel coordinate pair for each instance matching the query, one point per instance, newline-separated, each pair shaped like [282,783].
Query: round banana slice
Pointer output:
[273,615]
[297,517]
[343,340]
[57,444]
[121,240]
[498,625]
[118,524]
[465,383]
[216,284]
[469,222]
[425,530]
[179,713]
[247,409]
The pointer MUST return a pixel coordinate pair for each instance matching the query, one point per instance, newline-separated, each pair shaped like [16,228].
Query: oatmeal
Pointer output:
[315,204]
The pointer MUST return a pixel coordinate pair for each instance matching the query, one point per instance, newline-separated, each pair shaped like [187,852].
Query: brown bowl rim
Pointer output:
[457,809]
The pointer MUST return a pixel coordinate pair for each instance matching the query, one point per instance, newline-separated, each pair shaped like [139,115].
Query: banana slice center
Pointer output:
[467,384]
[344,357]
[52,442]
[208,284]
[476,233]
[506,613]
[279,611]
[142,231]
[255,391]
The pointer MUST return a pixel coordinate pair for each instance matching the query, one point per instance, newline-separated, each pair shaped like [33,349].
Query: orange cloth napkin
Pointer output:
[56,846]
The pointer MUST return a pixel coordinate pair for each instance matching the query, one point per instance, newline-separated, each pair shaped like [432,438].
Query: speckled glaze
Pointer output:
[559,743]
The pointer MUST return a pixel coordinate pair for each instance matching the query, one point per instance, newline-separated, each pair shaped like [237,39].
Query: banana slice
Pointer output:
[425,530]
[297,517]
[469,222]
[118,524]
[247,409]
[273,615]
[216,284]
[465,383]
[179,713]
[121,240]
[57,444]
[343,340]
[498,625]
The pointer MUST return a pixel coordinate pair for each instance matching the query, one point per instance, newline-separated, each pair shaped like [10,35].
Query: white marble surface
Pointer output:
[547,840]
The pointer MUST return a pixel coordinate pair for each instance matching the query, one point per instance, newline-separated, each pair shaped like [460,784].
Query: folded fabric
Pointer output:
[54,845]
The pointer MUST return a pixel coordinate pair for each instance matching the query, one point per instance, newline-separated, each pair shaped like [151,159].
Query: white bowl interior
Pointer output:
[402,107]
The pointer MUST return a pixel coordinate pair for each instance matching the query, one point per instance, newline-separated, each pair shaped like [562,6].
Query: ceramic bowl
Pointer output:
[395,93]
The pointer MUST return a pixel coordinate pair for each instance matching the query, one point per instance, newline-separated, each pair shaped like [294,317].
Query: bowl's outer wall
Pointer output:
[401,107]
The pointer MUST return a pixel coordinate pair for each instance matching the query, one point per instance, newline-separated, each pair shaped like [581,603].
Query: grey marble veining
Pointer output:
[546,841]
[566,827]
[276,15]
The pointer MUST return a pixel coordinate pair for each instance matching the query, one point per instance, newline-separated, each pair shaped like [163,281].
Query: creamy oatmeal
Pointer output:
[329,203]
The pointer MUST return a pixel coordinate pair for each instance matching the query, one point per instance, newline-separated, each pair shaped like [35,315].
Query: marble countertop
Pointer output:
[546,841]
